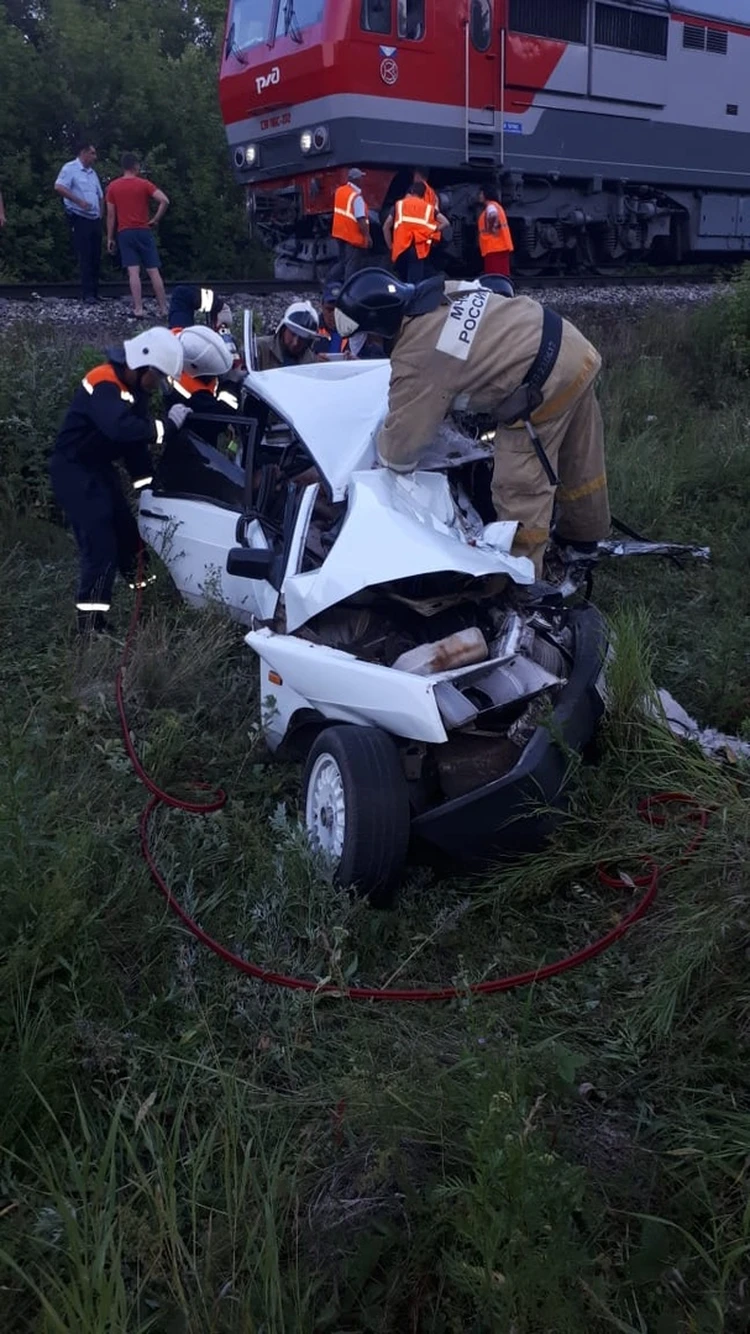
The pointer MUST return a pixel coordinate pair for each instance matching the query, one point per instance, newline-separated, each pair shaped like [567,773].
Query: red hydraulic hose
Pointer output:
[649,808]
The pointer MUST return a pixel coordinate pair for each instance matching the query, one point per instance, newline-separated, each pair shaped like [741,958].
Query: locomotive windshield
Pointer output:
[251,20]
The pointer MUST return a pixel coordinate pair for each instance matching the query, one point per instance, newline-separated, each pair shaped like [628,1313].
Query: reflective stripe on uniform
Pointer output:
[555,406]
[530,537]
[92,606]
[345,225]
[413,223]
[231,400]
[140,482]
[586,489]
[106,374]
[494,241]
[187,385]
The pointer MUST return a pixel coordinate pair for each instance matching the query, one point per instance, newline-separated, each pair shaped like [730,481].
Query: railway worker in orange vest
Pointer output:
[419,177]
[495,240]
[351,227]
[507,357]
[410,231]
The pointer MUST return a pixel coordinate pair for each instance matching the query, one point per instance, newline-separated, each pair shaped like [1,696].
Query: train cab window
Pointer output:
[295,15]
[375,16]
[630,30]
[250,23]
[562,20]
[480,24]
[411,20]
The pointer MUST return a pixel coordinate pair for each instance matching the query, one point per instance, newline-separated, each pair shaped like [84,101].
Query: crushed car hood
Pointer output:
[398,527]
[336,408]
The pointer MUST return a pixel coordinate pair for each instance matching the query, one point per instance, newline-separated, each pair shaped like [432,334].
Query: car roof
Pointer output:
[336,409]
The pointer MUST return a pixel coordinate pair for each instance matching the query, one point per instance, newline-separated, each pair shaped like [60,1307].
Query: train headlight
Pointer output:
[306,141]
[320,138]
[251,155]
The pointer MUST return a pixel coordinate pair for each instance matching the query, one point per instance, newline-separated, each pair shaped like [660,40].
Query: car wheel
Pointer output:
[356,806]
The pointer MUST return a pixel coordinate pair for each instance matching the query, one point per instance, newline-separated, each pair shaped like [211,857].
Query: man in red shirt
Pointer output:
[128,213]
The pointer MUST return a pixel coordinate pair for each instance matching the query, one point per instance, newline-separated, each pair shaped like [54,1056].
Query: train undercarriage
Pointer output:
[564,225]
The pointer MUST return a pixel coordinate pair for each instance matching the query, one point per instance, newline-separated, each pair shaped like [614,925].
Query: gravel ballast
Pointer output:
[109,319]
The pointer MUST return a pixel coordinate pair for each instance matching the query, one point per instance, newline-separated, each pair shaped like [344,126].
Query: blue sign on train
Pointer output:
[513,127]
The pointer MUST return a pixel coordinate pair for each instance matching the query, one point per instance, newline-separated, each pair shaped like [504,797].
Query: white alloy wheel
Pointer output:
[325,806]
[356,805]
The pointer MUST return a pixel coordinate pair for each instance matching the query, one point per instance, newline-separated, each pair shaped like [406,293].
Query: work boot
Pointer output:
[570,551]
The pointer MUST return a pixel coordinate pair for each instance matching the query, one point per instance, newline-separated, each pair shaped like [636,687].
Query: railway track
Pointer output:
[269,286]
[114,291]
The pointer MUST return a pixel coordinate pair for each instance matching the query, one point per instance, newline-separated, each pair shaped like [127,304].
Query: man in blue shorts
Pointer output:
[128,214]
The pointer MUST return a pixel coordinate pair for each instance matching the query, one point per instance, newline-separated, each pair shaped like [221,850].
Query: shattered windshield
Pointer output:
[251,19]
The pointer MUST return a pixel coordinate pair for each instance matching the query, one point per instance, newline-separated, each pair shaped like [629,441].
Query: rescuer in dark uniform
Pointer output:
[206,360]
[188,300]
[108,420]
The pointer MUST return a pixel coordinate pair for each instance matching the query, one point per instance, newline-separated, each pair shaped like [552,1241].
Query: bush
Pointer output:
[40,370]
[718,343]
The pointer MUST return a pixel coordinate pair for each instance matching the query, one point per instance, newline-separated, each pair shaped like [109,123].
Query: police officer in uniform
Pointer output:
[504,356]
[109,420]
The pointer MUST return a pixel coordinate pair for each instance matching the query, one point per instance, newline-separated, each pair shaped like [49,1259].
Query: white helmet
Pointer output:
[205,352]
[302,319]
[156,348]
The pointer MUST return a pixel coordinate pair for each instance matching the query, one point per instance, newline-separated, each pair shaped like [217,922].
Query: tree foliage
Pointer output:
[135,75]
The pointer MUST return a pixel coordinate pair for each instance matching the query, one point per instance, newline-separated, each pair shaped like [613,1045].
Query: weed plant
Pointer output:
[188,1152]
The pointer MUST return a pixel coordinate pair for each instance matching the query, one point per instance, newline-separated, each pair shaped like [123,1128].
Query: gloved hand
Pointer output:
[177,414]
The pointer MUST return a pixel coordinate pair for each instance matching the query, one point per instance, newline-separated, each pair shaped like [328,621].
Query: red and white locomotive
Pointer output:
[613,128]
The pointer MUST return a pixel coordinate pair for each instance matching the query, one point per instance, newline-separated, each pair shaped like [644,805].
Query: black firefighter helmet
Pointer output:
[373,301]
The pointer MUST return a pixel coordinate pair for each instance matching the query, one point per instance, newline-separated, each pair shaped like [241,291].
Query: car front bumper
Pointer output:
[516,813]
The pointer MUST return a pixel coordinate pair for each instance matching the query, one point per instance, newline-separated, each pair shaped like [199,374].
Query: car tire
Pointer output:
[356,808]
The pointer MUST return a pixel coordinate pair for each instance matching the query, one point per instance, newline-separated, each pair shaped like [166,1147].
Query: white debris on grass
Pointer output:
[712,743]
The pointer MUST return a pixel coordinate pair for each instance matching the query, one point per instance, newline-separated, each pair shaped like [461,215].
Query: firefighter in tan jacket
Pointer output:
[463,346]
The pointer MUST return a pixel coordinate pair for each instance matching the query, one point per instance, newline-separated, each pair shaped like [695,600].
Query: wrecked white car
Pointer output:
[439,694]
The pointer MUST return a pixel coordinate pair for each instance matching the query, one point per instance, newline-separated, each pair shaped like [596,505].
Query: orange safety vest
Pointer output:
[187,385]
[345,225]
[106,374]
[492,243]
[430,197]
[413,223]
